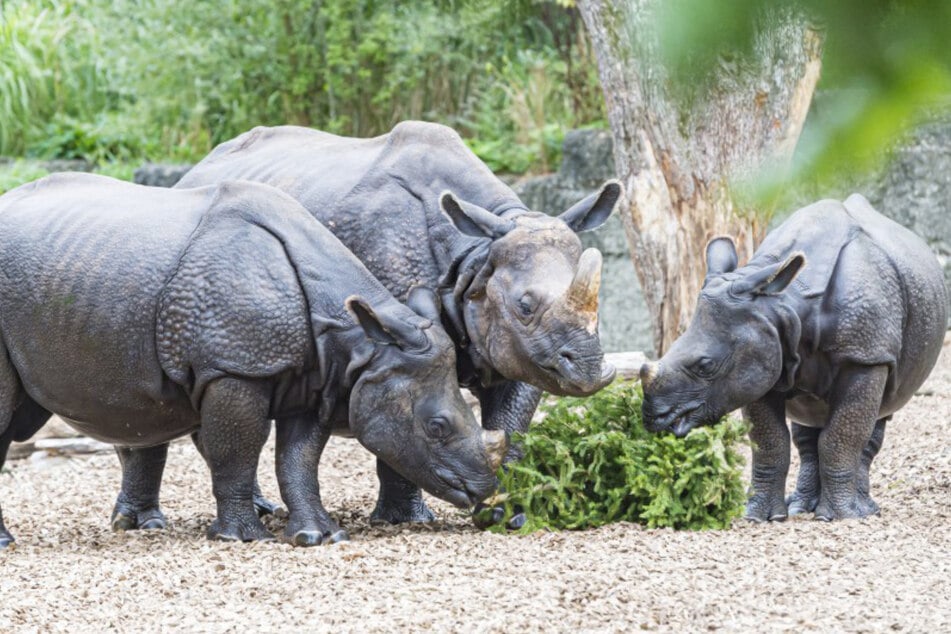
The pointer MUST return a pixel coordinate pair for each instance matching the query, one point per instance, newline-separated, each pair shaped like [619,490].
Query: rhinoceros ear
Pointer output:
[473,220]
[368,320]
[595,209]
[721,256]
[773,279]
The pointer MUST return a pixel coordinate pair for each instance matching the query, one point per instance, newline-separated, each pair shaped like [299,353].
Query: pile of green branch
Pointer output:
[591,462]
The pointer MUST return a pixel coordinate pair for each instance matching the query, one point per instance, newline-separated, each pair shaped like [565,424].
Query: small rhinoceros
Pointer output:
[834,323]
[140,315]
[519,295]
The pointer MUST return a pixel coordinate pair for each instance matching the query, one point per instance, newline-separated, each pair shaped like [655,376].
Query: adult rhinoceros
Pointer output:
[517,294]
[141,314]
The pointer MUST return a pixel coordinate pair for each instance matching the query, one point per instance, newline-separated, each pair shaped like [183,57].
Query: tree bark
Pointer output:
[677,161]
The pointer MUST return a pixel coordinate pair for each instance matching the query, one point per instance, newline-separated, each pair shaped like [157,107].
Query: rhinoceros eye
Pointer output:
[704,367]
[526,306]
[438,428]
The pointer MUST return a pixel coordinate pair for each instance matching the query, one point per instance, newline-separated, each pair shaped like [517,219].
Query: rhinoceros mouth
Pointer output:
[564,375]
[455,489]
[679,421]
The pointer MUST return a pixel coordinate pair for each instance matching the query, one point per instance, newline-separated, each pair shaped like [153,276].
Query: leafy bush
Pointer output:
[169,79]
[15,173]
[101,140]
[590,462]
[48,67]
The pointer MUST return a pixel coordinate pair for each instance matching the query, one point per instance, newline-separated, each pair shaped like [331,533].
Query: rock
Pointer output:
[68,165]
[159,174]
[915,189]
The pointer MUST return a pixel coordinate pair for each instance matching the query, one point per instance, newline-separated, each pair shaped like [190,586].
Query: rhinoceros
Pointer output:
[836,320]
[516,292]
[140,315]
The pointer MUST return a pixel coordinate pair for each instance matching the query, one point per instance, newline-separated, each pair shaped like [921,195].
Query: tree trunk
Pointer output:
[677,160]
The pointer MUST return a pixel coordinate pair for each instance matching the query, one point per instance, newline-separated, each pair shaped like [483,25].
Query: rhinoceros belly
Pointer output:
[808,410]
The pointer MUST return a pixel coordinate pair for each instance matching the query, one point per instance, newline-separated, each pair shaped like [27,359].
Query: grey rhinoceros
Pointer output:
[834,323]
[141,315]
[516,293]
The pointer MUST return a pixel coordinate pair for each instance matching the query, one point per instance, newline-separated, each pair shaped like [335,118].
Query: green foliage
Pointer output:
[47,68]
[15,173]
[591,462]
[112,79]
[101,140]
[886,66]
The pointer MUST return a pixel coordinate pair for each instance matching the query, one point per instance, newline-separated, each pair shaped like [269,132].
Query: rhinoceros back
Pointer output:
[379,196]
[880,288]
[82,260]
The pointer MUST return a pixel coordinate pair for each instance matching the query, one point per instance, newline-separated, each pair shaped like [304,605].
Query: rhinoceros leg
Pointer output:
[137,506]
[770,438]
[19,422]
[5,438]
[400,501]
[866,503]
[300,442]
[261,504]
[508,406]
[234,428]
[853,417]
[806,496]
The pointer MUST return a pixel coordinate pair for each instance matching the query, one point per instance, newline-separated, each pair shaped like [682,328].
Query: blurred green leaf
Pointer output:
[886,67]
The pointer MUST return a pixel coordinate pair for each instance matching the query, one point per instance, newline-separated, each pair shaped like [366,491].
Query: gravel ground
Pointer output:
[69,572]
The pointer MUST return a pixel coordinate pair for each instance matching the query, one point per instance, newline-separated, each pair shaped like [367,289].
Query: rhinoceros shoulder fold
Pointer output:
[820,231]
[236,303]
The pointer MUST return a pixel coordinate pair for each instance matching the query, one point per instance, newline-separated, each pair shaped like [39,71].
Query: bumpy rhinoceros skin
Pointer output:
[141,315]
[421,210]
[834,323]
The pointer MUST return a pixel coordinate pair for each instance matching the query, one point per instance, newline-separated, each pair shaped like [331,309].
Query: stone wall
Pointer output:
[914,190]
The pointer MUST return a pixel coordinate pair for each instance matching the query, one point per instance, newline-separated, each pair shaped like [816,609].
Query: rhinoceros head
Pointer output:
[532,310]
[407,409]
[733,351]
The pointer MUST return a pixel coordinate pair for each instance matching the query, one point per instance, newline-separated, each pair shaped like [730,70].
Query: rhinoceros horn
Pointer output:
[582,294]
[495,443]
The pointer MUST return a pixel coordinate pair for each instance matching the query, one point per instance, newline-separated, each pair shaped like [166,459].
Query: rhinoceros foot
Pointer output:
[484,516]
[802,502]
[128,518]
[857,508]
[317,538]
[314,530]
[264,506]
[5,539]
[763,507]
[244,531]
[402,511]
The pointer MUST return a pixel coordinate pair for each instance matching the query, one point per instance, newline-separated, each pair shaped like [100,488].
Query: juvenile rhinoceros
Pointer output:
[518,296]
[141,315]
[834,323]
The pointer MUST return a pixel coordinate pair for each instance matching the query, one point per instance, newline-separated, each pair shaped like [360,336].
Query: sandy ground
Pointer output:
[69,572]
